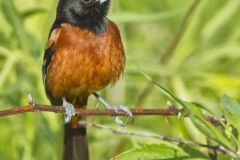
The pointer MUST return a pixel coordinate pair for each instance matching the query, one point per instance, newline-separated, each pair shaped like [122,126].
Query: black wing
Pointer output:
[49,52]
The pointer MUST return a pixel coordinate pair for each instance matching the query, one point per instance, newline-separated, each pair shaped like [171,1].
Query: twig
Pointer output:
[88,112]
[170,111]
[164,138]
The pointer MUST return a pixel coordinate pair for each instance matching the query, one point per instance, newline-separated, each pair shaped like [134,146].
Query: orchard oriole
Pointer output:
[84,53]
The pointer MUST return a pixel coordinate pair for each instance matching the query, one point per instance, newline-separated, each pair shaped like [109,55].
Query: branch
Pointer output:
[88,112]
[170,111]
[164,138]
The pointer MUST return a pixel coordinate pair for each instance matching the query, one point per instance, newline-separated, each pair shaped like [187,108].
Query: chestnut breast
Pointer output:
[83,62]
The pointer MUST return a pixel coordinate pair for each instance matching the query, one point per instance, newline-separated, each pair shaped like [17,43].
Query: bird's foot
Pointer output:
[70,111]
[121,121]
[118,120]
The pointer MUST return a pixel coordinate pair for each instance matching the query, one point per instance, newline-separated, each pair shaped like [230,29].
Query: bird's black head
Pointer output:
[86,14]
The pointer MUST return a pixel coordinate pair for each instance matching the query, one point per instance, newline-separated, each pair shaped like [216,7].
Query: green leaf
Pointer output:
[206,127]
[209,130]
[202,106]
[159,151]
[193,152]
[166,92]
[231,109]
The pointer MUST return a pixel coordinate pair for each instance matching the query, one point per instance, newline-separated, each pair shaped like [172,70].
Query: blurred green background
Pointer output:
[202,63]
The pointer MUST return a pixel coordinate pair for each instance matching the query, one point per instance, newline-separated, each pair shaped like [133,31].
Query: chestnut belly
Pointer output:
[84,62]
[80,75]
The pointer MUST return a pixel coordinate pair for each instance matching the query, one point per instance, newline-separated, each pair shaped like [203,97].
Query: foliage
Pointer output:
[204,66]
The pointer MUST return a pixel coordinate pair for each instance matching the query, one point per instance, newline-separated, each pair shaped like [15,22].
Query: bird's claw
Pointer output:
[70,111]
[129,115]
[118,120]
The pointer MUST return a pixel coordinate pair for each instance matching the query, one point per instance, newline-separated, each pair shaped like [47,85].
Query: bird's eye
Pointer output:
[87,1]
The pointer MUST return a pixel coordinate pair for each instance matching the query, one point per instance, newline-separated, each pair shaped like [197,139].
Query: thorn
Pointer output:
[30,100]
[170,105]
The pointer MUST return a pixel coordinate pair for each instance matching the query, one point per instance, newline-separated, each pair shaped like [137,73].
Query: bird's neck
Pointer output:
[92,22]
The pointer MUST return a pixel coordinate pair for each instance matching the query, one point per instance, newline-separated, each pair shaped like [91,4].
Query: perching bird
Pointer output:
[84,53]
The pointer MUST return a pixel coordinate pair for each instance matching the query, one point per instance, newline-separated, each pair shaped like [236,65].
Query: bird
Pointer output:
[83,54]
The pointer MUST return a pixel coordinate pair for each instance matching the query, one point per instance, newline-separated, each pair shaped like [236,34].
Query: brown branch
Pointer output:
[88,112]
[164,138]
[170,111]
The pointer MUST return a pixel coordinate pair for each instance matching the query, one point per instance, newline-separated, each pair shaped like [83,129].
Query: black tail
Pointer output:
[75,143]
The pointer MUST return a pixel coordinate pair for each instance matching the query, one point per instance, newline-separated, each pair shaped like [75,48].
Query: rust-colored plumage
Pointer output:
[83,62]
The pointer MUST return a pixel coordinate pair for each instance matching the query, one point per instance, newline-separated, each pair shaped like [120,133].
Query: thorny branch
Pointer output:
[170,111]
[88,112]
[164,138]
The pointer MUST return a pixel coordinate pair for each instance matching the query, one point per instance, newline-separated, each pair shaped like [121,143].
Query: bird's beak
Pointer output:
[101,1]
